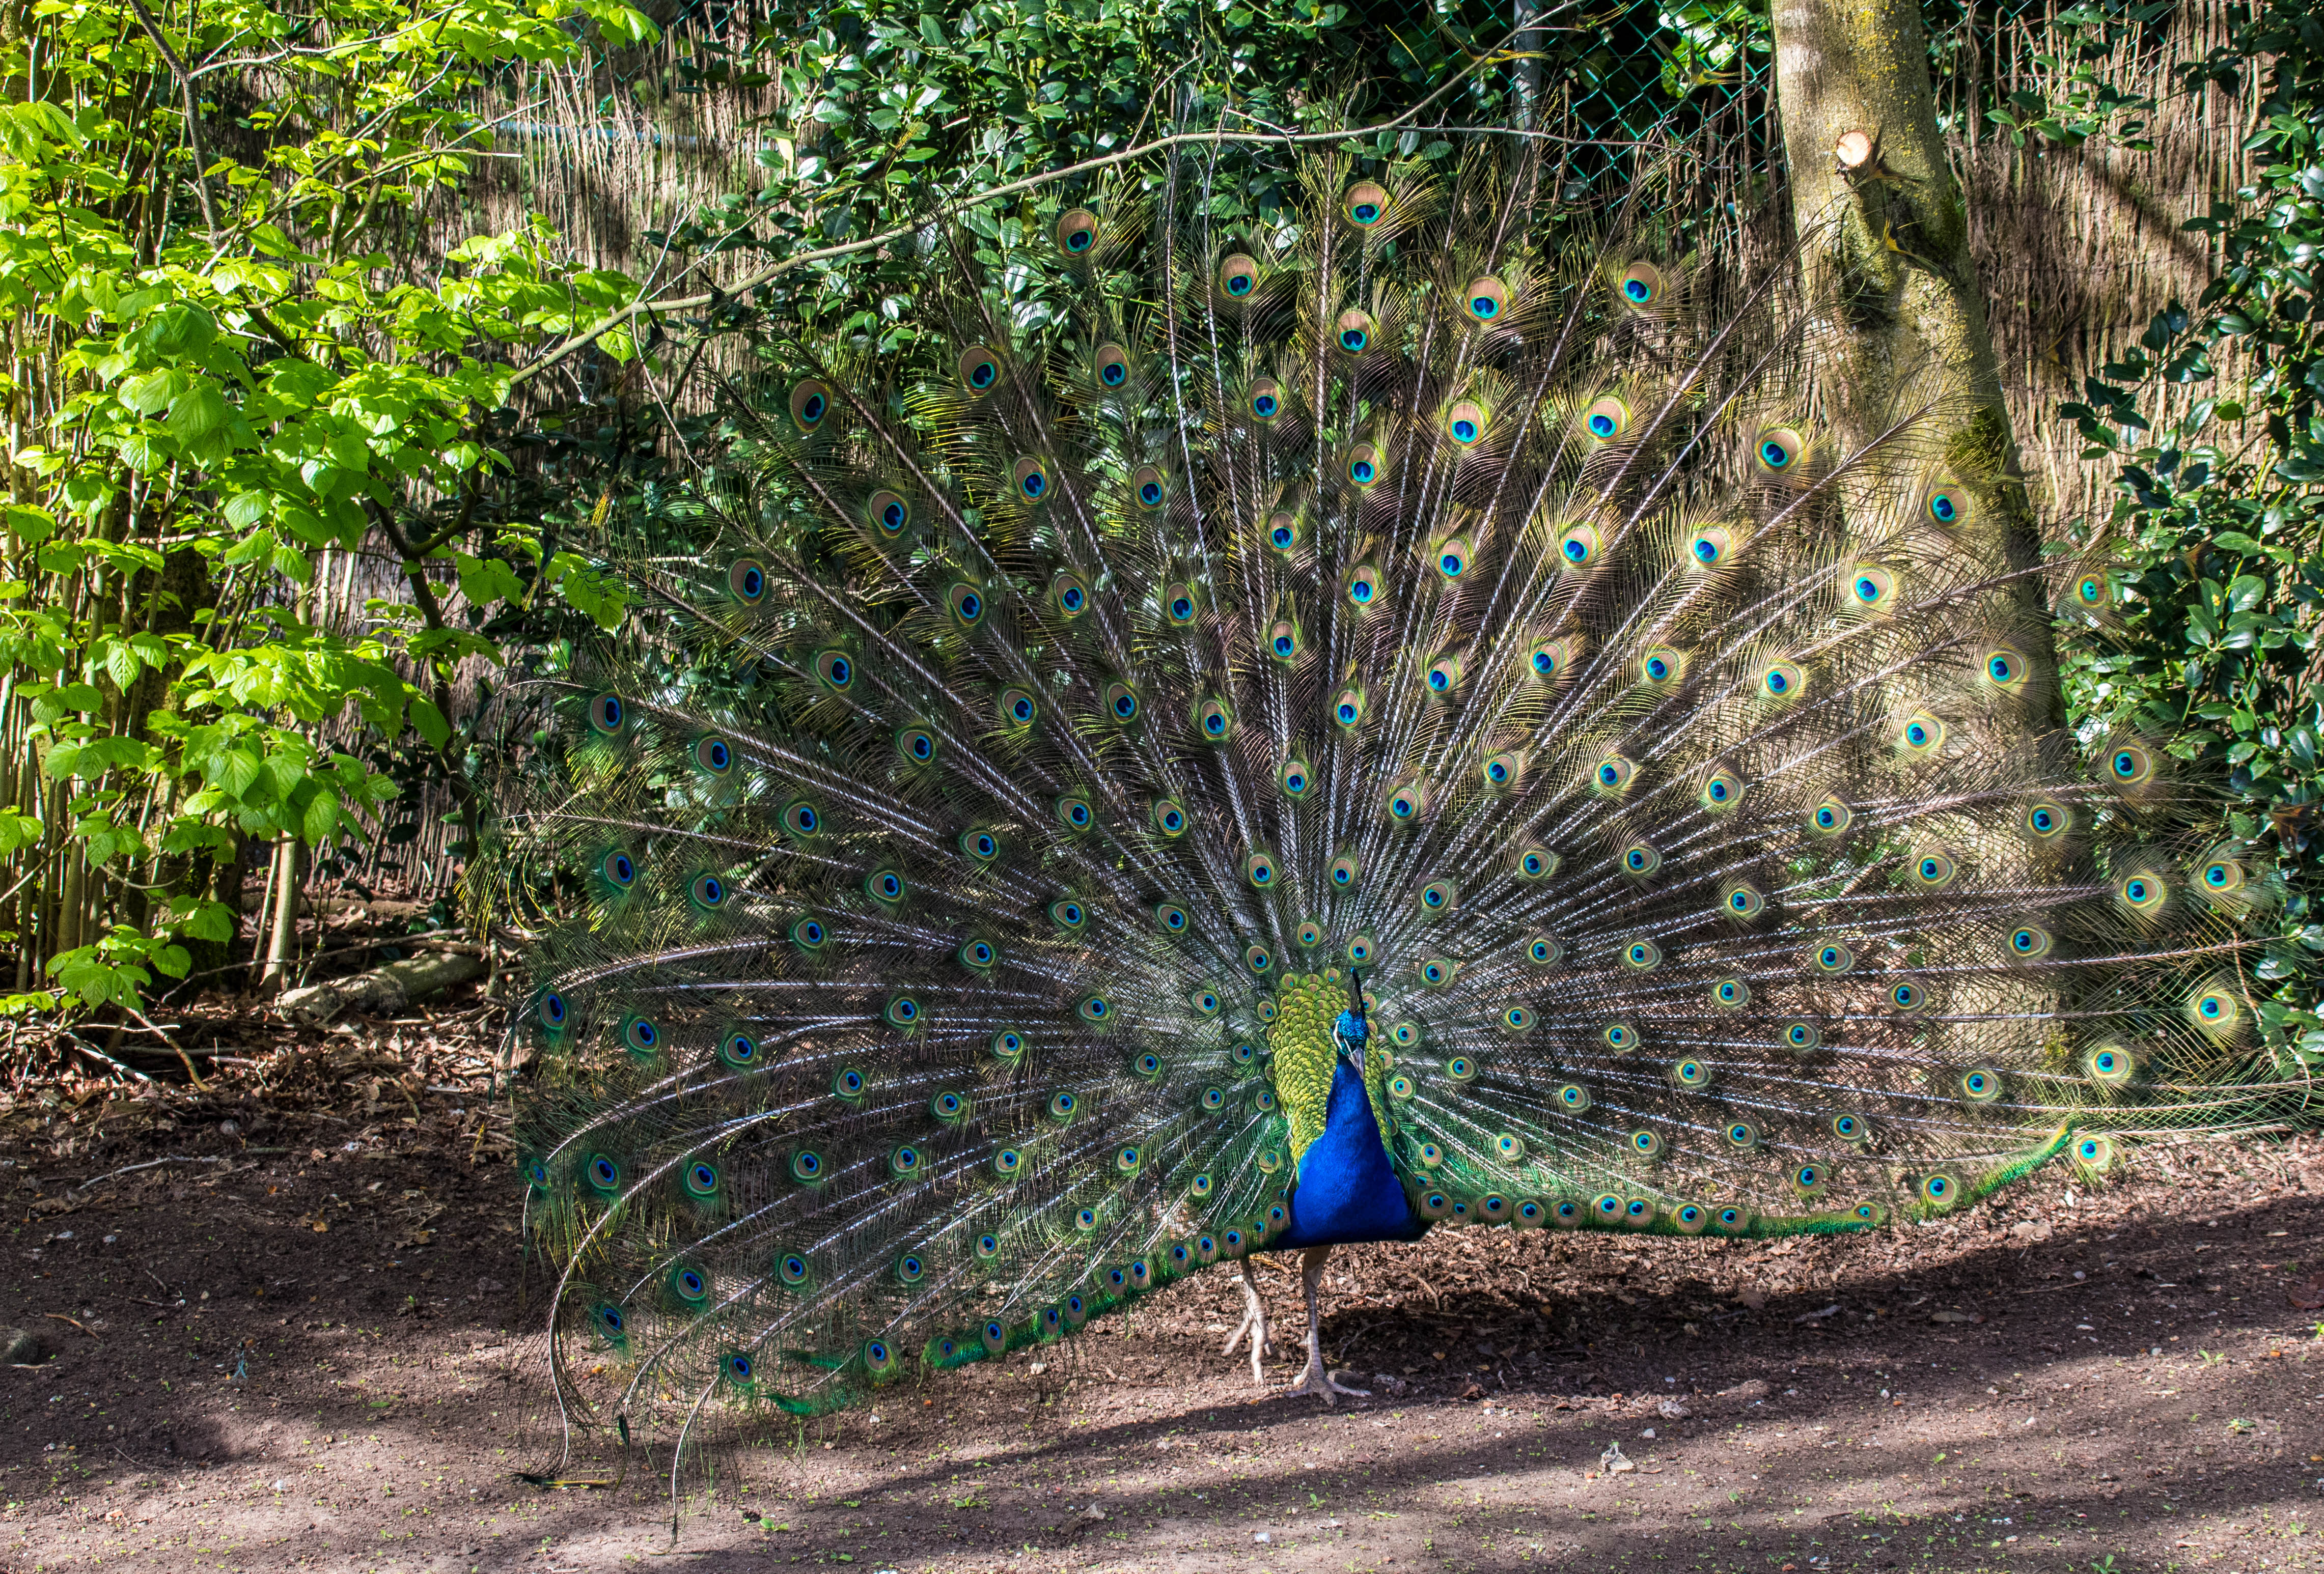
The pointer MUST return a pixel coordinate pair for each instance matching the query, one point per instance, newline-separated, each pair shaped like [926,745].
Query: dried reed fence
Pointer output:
[2076,247]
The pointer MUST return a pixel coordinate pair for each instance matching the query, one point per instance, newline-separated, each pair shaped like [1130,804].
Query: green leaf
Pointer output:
[484,581]
[180,330]
[210,921]
[30,525]
[200,410]
[429,723]
[320,824]
[121,663]
[298,383]
[236,770]
[603,597]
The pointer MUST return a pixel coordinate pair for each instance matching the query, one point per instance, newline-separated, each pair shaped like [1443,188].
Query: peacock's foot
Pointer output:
[1315,1380]
[1261,1346]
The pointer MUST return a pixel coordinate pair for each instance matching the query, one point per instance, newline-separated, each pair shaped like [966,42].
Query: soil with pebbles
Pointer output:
[285,1342]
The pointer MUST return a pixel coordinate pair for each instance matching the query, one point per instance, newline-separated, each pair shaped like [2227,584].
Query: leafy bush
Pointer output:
[2217,514]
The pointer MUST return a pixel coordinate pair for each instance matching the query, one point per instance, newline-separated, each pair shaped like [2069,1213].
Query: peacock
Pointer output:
[1242,735]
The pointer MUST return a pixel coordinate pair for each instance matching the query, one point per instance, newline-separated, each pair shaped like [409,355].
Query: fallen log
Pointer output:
[384,990]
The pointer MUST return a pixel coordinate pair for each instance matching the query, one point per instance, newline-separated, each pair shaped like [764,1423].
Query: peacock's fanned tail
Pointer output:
[953,859]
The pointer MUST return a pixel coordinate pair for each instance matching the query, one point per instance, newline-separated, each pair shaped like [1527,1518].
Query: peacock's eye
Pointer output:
[1777,451]
[1076,231]
[1365,203]
[1607,418]
[810,403]
[889,513]
[747,579]
[979,368]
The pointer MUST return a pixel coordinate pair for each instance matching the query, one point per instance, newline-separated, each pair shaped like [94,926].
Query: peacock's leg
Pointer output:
[1254,1322]
[1315,1379]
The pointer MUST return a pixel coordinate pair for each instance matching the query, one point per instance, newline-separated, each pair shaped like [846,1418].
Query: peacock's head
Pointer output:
[1351,1029]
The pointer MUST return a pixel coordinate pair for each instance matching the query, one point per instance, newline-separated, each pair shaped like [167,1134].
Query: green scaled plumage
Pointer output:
[958,867]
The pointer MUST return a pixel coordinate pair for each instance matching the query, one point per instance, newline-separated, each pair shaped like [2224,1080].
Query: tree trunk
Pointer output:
[1885,246]
[283,943]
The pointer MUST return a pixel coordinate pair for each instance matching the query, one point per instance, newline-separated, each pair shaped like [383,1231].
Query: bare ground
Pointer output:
[289,1347]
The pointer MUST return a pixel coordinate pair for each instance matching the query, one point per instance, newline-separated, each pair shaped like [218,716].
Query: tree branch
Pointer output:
[193,118]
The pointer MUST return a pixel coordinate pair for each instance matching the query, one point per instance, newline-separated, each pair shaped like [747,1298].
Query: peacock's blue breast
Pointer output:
[1347,1192]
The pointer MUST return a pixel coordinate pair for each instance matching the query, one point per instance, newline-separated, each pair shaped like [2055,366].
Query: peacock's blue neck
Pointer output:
[1347,1190]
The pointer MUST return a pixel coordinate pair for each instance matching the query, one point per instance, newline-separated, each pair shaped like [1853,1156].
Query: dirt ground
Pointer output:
[284,1342]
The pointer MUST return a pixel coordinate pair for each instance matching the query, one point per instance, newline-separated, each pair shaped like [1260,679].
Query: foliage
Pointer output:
[228,356]
[2219,514]
[881,110]
[2076,98]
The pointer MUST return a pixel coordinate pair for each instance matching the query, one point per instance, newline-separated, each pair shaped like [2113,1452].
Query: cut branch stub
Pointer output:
[1855,151]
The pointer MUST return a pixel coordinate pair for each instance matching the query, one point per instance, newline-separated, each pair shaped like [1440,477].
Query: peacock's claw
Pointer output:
[1315,1380]
[1254,1323]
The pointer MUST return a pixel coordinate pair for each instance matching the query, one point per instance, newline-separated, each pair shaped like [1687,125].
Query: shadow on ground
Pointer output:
[2058,1382]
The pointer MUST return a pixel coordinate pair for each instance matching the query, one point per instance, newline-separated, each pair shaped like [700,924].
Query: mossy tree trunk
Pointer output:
[1885,239]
